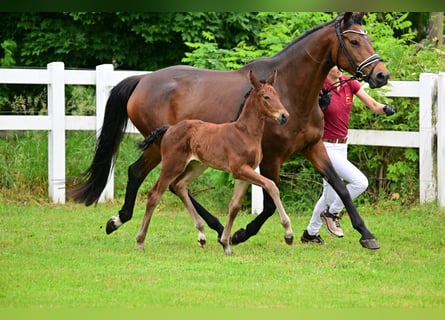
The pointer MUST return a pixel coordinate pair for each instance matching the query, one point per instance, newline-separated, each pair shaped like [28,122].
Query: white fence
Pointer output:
[430,139]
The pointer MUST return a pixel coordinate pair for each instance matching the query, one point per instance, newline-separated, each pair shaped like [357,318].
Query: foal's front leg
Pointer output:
[235,204]
[271,188]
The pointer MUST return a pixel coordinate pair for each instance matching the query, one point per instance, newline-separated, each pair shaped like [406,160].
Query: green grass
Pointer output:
[55,256]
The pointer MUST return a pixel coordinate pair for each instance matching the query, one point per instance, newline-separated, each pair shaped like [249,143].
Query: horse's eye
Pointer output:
[266,97]
[354,42]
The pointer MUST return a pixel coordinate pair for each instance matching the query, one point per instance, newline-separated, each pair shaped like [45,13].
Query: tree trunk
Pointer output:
[436,28]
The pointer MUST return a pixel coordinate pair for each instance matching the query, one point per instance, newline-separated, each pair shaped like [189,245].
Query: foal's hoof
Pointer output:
[202,243]
[226,248]
[369,244]
[289,239]
[238,237]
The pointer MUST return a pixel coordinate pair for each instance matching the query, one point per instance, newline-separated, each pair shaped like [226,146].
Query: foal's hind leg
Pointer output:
[171,168]
[137,172]
[180,187]
[154,196]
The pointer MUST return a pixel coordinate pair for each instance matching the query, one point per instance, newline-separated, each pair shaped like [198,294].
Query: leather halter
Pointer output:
[358,69]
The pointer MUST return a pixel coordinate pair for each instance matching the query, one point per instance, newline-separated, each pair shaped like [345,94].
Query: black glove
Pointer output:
[324,99]
[389,110]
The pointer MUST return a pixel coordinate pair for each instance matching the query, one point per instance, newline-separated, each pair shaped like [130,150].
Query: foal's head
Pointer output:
[267,99]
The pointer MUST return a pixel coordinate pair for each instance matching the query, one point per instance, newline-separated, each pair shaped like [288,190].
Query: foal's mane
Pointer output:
[241,107]
[243,103]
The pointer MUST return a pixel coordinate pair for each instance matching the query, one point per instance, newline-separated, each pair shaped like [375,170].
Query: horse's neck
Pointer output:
[251,120]
[304,65]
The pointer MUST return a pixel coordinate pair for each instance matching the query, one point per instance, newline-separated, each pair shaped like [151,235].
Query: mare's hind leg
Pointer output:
[235,204]
[180,187]
[137,172]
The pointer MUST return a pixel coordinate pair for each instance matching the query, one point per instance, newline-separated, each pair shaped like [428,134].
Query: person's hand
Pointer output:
[389,110]
[324,99]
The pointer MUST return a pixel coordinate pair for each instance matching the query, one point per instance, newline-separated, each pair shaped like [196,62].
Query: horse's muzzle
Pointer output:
[379,80]
[282,118]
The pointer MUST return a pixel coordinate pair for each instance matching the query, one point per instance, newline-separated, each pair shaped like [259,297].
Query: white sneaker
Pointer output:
[332,223]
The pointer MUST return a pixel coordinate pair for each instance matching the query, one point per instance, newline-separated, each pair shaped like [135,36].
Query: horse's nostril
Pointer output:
[282,119]
[382,77]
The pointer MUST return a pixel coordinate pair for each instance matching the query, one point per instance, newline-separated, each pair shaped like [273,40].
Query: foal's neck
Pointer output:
[251,120]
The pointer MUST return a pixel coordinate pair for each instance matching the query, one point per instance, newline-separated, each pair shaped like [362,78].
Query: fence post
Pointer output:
[427,100]
[441,139]
[102,93]
[56,135]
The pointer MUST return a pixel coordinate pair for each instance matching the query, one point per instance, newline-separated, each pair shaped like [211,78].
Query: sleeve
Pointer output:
[355,86]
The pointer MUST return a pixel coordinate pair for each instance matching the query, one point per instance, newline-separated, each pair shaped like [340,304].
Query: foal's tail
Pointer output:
[92,182]
[154,136]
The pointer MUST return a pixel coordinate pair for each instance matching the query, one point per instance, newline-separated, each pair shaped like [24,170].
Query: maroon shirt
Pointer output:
[337,115]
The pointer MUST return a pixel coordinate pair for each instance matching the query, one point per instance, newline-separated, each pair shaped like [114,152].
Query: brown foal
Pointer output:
[191,146]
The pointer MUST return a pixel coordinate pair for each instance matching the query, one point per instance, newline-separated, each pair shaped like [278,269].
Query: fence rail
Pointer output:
[430,90]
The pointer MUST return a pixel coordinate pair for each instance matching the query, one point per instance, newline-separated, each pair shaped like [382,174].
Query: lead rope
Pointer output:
[338,83]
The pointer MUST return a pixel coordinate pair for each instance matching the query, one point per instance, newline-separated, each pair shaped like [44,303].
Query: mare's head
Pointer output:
[267,99]
[355,53]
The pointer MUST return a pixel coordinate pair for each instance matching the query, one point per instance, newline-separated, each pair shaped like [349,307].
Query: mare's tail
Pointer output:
[88,187]
[154,136]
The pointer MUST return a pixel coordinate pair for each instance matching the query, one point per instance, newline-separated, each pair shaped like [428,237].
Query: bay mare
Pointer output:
[189,147]
[176,93]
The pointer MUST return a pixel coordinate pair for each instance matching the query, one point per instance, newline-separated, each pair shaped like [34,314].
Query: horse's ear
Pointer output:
[254,81]
[347,17]
[272,78]
[359,17]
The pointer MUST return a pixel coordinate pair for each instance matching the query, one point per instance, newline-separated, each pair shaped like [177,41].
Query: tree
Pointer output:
[436,28]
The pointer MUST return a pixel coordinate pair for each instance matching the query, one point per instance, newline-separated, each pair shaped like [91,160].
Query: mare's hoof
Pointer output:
[111,226]
[202,243]
[238,237]
[369,244]
[289,239]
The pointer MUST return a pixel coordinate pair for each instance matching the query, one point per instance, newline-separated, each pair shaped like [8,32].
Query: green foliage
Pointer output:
[9,47]
[80,100]
[275,32]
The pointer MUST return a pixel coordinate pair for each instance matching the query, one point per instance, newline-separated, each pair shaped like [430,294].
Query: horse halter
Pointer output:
[358,69]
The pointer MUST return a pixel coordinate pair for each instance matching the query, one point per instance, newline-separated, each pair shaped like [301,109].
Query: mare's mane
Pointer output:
[297,39]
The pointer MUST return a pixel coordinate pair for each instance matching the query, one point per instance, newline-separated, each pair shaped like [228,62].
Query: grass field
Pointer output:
[55,256]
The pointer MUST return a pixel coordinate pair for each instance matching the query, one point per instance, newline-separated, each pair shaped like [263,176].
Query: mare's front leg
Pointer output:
[271,171]
[137,172]
[320,160]
[235,204]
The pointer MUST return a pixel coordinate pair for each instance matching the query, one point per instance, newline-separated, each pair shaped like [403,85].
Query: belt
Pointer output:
[335,140]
